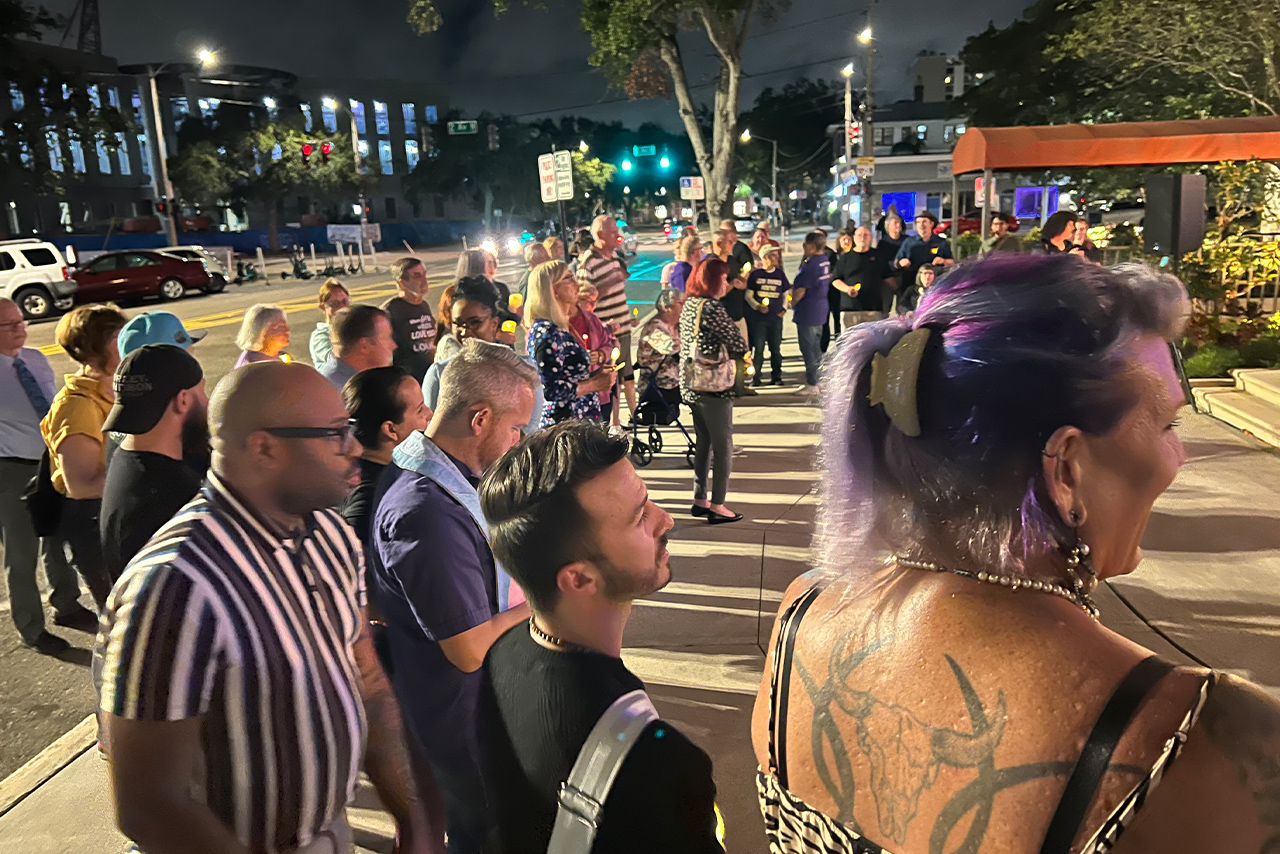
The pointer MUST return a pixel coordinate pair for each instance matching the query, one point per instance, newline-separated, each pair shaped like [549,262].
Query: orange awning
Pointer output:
[1117,144]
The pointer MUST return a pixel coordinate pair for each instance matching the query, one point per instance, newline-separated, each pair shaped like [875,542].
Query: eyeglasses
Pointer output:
[471,324]
[342,434]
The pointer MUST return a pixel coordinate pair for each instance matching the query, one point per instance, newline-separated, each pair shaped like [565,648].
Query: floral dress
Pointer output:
[562,363]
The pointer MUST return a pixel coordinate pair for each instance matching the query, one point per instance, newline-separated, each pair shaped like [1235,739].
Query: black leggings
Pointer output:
[713,427]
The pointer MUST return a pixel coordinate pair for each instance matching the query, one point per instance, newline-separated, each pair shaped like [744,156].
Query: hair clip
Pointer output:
[894,378]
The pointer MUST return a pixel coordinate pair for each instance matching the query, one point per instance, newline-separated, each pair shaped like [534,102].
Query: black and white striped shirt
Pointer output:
[606,272]
[223,618]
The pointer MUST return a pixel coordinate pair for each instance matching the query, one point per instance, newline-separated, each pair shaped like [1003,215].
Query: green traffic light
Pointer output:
[665,162]
[626,166]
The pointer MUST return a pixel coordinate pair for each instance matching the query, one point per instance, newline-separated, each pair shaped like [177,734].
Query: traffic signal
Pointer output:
[493,137]
[161,207]
[855,132]
[307,148]
[665,162]
[626,166]
[326,148]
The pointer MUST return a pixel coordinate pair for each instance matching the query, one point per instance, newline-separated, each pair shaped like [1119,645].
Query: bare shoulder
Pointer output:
[1223,793]
[760,715]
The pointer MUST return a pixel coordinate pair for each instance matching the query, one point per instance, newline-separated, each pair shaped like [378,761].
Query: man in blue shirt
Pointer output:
[26,390]
[443,596]
[810,303]
[923,247]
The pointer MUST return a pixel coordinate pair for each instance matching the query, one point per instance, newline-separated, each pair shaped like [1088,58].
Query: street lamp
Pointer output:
[269,102]
[665,162]
[865,35]
[207,58]
[773,191]
[582,146]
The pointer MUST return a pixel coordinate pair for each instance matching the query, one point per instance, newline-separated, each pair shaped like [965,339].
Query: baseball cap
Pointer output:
[155,327]
[146,382]
[768,248]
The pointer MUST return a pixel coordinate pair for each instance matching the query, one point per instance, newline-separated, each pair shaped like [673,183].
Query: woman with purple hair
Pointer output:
[942,682]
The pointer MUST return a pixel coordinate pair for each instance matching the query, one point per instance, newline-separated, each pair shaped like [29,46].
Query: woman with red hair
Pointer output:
[705,328]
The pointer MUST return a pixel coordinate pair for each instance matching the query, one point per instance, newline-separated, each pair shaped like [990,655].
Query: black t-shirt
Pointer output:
[358,508]
[860,268]
[414,331]
[537,707]
[734,301]
[143,491]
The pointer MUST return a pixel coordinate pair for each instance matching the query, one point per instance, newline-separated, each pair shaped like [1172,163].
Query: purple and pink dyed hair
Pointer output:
[1023,345]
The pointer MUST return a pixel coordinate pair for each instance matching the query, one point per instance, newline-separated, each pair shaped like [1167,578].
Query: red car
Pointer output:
[138,273]
[970,222]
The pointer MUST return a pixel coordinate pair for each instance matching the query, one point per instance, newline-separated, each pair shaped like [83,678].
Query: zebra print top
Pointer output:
[795,827]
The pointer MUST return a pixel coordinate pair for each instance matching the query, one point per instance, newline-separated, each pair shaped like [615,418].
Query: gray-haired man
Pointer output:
[443,596]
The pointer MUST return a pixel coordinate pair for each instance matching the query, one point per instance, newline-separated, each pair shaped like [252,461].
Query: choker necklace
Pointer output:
[558,643]
[1077,596]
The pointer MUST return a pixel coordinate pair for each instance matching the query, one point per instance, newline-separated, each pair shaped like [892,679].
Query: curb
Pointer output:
[44,765]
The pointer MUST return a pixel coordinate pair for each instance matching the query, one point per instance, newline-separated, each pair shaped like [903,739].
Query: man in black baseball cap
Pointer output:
[162,408]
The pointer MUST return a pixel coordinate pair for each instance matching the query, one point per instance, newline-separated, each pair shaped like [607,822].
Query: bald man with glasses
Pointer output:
[237,653]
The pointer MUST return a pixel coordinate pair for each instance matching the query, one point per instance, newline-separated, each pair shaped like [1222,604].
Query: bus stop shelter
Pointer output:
[1026,149]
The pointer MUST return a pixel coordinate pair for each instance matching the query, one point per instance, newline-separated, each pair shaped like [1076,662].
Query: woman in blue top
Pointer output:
[688,253]
[810,304]
[569,387]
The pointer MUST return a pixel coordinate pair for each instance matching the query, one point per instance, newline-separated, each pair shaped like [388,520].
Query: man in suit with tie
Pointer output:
[26,390]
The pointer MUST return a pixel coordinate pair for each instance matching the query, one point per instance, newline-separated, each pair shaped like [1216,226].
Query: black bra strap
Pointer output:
[1093,761]
[780,684]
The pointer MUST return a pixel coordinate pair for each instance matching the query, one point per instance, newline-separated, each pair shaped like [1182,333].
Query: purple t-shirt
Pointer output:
[432,573]
[248,357]
[680,274]
[814,276]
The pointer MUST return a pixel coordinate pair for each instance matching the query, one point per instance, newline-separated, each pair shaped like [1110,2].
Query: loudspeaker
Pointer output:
[1173,223]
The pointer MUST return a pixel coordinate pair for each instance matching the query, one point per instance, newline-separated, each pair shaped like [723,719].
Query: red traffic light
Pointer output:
[307,148]
[326,148]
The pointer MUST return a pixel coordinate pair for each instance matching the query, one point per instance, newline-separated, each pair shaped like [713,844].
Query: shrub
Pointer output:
[1213,361]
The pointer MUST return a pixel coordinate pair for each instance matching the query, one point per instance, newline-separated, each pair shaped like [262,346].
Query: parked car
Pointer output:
[34,275]
[218,273]
[970,222]
[629,241]
[139,273]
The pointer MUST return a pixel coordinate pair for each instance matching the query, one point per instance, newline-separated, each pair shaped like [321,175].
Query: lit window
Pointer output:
[55,149]
[122,154]
[960,129]
[381,123]
[95,99]
[77,155]
[137,109]
[276,152]
[432,116]
[922,131]
[16,99]
[363,148]
[410,120]
[104,159]
[330,118]
[306,116]
[948,133]
[113,96]
[357,110]
[24,153]
[384,156]
[144,154]
[179,108]
[411,152]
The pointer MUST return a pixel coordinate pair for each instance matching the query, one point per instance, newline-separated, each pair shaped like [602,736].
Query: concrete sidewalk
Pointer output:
[1209,590]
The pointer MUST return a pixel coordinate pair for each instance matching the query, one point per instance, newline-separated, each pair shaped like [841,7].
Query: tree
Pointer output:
[636,43]
[1227,51]
[797,116]
[591,179]
[53,109]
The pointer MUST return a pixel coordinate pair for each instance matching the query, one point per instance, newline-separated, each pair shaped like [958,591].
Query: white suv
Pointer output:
[34,275]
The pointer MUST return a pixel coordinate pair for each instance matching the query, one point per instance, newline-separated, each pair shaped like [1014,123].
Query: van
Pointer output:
[34,275]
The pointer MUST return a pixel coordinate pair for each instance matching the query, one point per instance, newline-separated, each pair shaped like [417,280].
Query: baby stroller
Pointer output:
[656,410]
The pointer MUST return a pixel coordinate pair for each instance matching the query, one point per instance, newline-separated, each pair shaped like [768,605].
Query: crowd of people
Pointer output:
[418,557]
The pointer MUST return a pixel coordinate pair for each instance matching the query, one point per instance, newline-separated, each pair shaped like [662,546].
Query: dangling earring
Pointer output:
[1084,578]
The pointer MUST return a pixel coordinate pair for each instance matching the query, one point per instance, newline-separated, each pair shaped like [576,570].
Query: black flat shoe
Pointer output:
[720,519]
[80,618]
[699,510]
[48,644]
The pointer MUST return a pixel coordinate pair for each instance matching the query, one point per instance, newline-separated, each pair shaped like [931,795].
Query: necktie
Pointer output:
[34,393]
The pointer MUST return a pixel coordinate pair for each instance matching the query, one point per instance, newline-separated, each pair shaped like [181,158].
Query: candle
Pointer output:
[515,301]
[765,302]
[751,370]
[615,354]
[284,357]
[509,326]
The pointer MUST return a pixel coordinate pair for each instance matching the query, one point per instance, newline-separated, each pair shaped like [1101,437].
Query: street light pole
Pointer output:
[773,193]
[868,115]
[162,156]
[356,158]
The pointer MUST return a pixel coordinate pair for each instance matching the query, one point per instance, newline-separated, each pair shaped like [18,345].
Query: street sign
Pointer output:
[547,177]
[564,175]
[555,176]
[691,187]
[866,167]
[644,150]
[979,197]
[461,128]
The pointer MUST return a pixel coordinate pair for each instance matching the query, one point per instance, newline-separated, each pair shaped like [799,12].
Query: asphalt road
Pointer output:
[42,697]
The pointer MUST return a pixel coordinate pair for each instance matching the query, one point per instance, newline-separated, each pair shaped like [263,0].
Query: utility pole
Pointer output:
[355,154]
[868,115]
[162,155]
[774,190]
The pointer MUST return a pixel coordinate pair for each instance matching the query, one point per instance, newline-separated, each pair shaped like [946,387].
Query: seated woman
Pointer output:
[659,354]
[942,681]
[569,387]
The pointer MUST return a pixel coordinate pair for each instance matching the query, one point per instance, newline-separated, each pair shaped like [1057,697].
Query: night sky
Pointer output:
[529,61]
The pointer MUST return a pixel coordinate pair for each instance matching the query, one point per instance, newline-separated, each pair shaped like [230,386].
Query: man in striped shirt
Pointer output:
[240,686]
[601,267]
